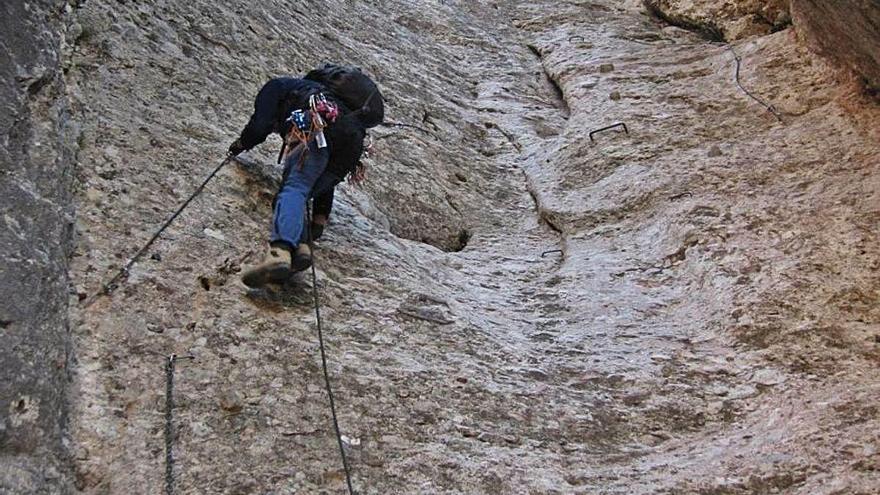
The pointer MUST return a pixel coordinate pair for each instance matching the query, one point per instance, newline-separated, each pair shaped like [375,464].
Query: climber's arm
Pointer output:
[262,122]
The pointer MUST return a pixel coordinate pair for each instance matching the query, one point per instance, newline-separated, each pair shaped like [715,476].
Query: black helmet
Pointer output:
[356,90]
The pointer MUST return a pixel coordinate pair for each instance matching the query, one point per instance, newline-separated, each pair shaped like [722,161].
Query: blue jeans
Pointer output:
[297,186]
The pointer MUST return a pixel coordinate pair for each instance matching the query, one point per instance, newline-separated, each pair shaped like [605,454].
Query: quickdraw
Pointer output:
[304,124]
[326,109]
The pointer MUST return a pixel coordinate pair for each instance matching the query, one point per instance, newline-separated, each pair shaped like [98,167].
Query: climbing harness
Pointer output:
[322,109]
[770,108]
[308,123]
[169,420]
[123,272]
[345,464]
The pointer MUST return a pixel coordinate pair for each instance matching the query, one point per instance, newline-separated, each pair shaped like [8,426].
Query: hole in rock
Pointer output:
[463,237]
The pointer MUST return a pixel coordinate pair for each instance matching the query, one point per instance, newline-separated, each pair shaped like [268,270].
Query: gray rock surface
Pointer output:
[704,318]
[847,32]
[36,163]
[729,20]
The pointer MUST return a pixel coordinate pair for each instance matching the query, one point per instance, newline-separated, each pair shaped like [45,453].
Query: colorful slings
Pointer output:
[305,124]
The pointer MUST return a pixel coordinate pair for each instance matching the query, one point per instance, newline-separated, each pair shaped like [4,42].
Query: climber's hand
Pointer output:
[235,148]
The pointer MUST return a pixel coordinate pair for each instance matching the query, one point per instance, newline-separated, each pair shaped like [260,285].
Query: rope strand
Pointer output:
[169,425]
[770,108]
[345,465]
[110,286]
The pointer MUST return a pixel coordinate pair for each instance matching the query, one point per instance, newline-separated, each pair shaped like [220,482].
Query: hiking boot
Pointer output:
[302,259]
[275,269]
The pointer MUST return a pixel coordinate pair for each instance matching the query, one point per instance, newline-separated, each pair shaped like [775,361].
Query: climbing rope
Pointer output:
[110,286]
[400,124]
[770,108]
[169,421]
[169,425]
[345,465]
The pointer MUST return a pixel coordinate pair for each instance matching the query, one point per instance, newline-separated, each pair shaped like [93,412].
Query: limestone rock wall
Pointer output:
[162,88]
[727,19]
[847,32]
[36,226]
[689,307]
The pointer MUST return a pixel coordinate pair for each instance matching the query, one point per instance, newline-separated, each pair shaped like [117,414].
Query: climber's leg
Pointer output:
[290,205]
[301,173]
[302,257]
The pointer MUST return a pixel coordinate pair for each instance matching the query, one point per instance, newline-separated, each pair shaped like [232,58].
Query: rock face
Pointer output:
[36,162]
[726,19]
[513,303]
[846,31]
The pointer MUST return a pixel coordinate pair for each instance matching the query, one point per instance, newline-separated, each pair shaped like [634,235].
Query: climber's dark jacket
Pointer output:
[274,103]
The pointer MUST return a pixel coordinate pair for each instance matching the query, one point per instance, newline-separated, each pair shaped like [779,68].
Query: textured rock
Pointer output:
[36,161]
[703,319]
[726,19]
[660,238]
[847,32]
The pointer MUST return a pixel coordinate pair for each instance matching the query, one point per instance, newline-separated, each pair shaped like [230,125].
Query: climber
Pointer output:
[322,118]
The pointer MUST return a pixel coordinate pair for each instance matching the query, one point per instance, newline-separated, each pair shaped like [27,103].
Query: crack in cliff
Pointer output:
[543,215]
[564,108]
[558,93]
